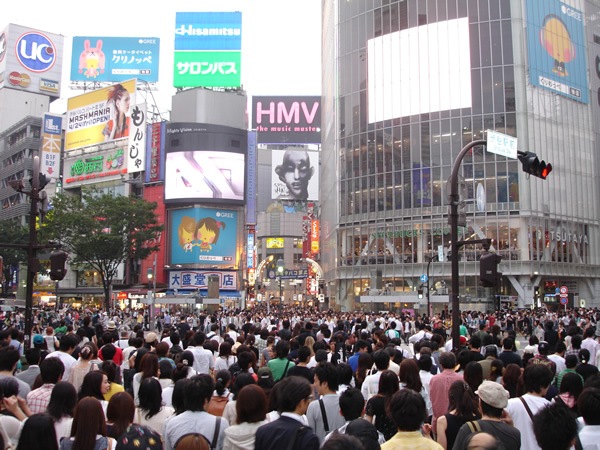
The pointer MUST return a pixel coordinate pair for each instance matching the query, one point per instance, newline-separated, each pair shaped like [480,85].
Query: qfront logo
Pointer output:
[36,52]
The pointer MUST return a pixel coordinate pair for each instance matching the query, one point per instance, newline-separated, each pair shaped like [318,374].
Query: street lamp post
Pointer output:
[454,198]
[152,284]
[280,267]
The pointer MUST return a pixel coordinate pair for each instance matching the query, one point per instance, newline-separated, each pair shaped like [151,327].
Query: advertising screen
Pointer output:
[429,70]
[295,174]
[31,60]
[207,49]
[203,236]
[287,119]
[115,59]
[102,115]
[205,163]
[556,48]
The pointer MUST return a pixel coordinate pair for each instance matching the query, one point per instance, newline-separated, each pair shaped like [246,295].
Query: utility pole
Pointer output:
[33,264]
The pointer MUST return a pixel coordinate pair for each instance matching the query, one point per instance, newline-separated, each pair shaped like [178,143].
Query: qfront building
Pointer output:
[406,85]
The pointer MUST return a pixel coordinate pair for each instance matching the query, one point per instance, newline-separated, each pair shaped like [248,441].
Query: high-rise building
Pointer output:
[406,85]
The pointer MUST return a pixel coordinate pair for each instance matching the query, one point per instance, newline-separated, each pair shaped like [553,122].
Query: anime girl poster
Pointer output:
[203,236]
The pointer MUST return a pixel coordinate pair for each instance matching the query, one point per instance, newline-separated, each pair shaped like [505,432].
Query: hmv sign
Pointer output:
[287,119]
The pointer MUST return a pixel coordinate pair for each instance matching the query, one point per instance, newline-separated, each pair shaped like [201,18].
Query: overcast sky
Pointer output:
[281,39]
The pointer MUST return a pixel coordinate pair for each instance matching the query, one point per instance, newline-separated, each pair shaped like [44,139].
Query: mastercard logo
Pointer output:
[19,79]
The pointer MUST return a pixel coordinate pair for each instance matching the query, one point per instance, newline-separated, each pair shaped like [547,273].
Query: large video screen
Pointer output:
[423,58]
[205,163]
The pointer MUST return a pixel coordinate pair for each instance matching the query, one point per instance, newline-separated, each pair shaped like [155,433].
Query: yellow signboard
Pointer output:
[274,242]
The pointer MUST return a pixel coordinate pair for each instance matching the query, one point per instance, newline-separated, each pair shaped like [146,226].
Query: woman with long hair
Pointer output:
[473,375]
[148,368]
[119,414]
[151,411]
[410,379]
[178,395]
[83,366]
[388,386]
[462,408]
[60,408]
[571,386]
[496,371]
[251,411]
[95,384]
[365,363]
[38,433]
[89,427]
[118,99]
[510,379]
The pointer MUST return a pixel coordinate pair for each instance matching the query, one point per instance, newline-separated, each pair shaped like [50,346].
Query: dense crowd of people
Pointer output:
[295,378]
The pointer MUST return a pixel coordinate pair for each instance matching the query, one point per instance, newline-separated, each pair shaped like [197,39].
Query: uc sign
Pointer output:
[35,51]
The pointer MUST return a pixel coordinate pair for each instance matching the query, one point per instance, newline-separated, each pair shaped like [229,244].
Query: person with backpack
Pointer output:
[391,332]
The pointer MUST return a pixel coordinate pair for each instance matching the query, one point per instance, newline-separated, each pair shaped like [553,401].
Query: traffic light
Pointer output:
[58,265]
[420,291]
[488,269]
[533,166]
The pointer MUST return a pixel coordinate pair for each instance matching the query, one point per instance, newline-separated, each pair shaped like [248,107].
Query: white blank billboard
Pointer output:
[419,70]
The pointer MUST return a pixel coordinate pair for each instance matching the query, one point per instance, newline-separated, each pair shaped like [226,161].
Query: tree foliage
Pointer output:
[103,231]
[12,232]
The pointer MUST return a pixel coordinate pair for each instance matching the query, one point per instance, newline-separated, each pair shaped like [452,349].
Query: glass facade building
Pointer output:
[406,85]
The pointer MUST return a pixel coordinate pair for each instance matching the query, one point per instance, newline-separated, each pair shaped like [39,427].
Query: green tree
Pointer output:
[103,231]
[12,232]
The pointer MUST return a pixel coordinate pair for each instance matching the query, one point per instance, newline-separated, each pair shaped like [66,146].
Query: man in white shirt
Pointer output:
[590,343]
[537,379]
[422,334]
[558,357]
[370,386]
[204,361]
[588,404]
[67,344]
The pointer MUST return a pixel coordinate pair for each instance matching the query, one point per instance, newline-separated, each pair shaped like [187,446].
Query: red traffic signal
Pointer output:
[533,166]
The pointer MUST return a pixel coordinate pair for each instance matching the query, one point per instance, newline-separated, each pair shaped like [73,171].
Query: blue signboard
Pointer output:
[208,31]
[203,236]
[556,47]
[115,59]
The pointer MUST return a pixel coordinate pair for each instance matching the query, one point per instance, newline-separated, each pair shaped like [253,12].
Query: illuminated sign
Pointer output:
[207,49]
[198,279]
[315,234]
[274,242]
[115,59]
[51,145]
[89,169]
[287,119]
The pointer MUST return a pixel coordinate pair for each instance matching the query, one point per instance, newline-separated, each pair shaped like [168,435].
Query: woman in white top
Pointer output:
[84,365]
[60,408]
[225,359]
[50,339]
[251,411]
[148,368]
[151,412]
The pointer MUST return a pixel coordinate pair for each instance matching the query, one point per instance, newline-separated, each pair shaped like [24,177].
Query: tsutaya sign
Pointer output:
[567,236]
[287,120]
[501,144]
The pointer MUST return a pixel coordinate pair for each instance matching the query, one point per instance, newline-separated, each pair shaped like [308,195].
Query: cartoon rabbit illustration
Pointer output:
[92,59]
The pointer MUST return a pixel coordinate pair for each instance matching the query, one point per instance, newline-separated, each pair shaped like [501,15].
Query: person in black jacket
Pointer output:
[289,431]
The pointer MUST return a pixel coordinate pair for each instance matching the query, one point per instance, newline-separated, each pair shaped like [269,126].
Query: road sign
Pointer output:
[564,290]
[501,144]
[563,300]
[424,278]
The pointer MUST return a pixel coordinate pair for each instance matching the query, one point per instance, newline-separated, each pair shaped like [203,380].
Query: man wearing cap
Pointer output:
[151,340]
[493,398]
